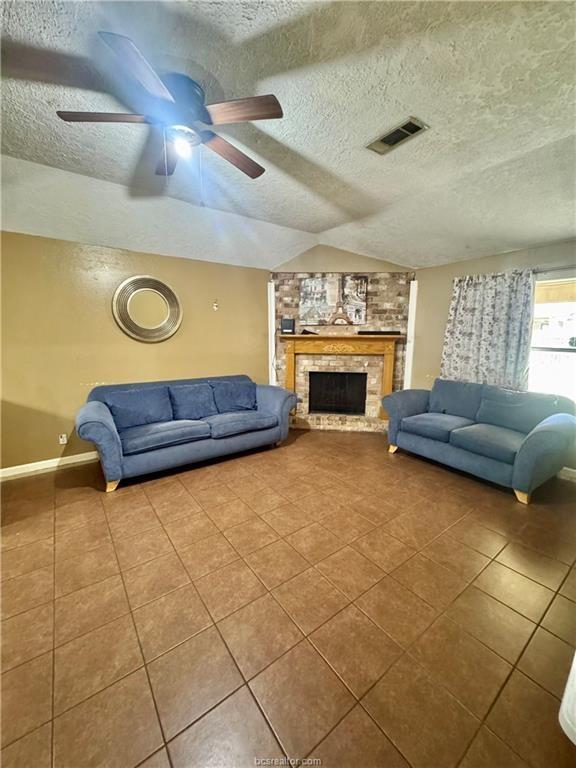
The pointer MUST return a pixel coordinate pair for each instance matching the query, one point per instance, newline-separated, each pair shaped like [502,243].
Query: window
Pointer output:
[553,352]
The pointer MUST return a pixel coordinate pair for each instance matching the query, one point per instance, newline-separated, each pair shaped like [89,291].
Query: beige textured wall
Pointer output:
[326,258]
[59,338]
[435,292]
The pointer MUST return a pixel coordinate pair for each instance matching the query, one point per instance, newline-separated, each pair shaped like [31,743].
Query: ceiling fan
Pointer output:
[181,113]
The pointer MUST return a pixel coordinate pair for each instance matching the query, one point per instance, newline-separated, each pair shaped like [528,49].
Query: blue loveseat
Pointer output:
[514,439]
[152,426]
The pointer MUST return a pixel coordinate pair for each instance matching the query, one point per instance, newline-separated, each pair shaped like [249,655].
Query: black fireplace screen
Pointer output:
[337,393]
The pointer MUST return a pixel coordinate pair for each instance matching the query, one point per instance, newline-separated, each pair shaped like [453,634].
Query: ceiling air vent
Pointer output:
[398,135]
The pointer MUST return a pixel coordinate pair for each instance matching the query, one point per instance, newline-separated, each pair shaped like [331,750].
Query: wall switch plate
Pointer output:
[63,439]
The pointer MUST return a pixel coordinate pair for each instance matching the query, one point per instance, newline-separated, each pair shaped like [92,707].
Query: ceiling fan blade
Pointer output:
[102,117]
[167,163]
[136,64]
[240,110]
[232,154]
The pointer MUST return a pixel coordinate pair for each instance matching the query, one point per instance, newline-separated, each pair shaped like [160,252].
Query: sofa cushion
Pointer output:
[148,437]
[193,401]
[134,407]
[436,426]
[520,411]
[226,424]
[233,396]
[488,440]
[459,398]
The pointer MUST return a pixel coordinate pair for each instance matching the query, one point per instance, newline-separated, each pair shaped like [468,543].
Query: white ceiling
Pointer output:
[493,80]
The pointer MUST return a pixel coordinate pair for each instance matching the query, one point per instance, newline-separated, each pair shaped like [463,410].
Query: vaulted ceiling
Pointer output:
[494,81]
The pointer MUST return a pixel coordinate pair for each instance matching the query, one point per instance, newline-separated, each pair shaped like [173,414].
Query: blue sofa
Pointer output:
[515,439]
[152,426]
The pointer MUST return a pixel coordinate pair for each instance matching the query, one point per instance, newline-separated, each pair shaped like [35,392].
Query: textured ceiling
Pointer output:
[493,80]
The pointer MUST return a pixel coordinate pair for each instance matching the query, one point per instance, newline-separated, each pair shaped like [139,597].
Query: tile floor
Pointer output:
[324,599]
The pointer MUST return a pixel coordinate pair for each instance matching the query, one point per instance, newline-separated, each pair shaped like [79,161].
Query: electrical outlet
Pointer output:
[63,439]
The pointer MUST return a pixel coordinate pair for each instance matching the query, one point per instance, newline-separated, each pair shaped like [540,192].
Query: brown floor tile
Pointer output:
[318,505]
[464,666]
[79,513]
[347,525]
[397,610]
[522,594]
[507,520]
[27,635]
[31,751]
[115,728]
[568,589]
[561,619]
[302,698]
[357,742]
[432,582]
[190,679]
[187,530]
[384,550]
[207,555]
[428,725]
[494,624]
[488,751]
[526,718]
[478,537]
[89,608]
[532,564]
[26,697]
[93,661]
[314,542]
[142,548]
[19,533]
[233,735]
[81,571]
[375,509]
[214,495]
[553,543]
[251,535]
[287,519]
[415,528]
[158,760]
[170,620]
[276,563]
[229,588]
[258,633]
[264,500]
[547,660]
[32,557]
[128,522]
[310,599]
[456,556]
[172,501]
[77,541]
[350,571]
[153,579]
[246,486]
[231,513]
[355,648]
[28,591]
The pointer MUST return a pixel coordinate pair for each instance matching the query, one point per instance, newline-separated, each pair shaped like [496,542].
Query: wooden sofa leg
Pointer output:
[523,498]
[112,485]
[392,448]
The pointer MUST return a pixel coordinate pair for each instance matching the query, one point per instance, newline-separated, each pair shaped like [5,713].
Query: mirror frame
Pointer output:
[120,301]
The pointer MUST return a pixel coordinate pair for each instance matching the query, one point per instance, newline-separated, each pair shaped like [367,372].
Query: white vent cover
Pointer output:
[403,132]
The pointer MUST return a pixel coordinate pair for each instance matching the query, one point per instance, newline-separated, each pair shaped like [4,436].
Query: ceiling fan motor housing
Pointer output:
[189,97]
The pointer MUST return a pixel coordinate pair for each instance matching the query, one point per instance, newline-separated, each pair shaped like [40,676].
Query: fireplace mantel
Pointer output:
[312,344]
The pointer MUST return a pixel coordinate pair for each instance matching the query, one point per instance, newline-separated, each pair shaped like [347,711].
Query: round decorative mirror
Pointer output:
[146,309]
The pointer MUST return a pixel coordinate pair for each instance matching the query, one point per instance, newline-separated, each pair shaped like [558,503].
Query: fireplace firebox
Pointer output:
[337,392]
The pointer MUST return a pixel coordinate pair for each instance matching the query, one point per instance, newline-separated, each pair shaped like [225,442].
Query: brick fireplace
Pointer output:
[383,365]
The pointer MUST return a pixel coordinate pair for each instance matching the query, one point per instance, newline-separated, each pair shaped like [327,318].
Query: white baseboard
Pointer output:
[48,465]
[568,473]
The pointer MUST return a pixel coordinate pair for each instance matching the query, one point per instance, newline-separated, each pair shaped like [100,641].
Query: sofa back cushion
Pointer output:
[193,401]
[458,398]
[134,407]
[521,411]
[234,395]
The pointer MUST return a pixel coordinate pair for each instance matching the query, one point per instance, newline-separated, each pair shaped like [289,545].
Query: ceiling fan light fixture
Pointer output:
[183,147]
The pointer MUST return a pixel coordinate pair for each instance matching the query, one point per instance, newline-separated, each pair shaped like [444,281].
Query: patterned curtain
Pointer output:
[487,337]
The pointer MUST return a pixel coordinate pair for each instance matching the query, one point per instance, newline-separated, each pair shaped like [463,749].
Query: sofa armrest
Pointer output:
[406,402]
[278,401]
[544,451]
[94,422]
